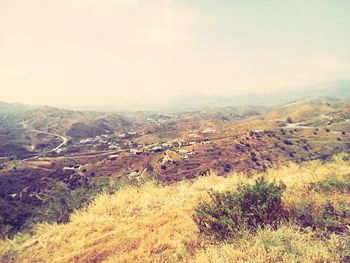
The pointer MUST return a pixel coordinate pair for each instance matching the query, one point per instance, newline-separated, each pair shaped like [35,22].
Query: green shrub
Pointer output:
[332,184]
[302,212]
[325,217]
[12,217]
[62,201]
[328,219]
[249,207]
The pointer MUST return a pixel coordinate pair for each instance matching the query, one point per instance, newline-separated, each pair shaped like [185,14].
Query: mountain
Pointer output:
[339,89]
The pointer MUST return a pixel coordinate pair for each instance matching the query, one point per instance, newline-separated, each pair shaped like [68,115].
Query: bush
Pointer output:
[12,217]
[329,216]
[62,201]
[331,184]
[328,219]
[249,207]
[325,218]
[288,142]
[302,212]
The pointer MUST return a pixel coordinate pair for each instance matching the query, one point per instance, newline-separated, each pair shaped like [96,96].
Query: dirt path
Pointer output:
[56,149]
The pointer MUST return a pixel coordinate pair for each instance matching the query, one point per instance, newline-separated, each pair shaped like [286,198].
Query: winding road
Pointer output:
[56,149]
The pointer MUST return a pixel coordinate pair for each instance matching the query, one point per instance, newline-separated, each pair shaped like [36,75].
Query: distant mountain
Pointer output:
[336,89]
[339,89]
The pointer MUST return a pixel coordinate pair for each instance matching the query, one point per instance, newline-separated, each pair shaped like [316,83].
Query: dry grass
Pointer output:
[38,163]
[286,244]
[154,224]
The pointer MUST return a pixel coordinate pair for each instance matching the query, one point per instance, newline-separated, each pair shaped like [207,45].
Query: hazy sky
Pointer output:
[95,52]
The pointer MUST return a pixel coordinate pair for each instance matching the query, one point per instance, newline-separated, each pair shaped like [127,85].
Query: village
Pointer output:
[113,146]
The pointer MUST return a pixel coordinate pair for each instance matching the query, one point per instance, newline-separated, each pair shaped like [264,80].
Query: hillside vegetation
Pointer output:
[157,223]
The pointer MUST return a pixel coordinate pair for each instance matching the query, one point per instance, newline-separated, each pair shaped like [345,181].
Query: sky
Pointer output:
[109,52]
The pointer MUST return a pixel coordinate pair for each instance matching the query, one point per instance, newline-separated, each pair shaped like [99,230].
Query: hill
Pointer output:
[26,130]
[339,89]
[170,148]
[154,223]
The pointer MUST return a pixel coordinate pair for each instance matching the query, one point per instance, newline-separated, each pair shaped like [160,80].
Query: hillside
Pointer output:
[163,131]
[168,147]
[154,223]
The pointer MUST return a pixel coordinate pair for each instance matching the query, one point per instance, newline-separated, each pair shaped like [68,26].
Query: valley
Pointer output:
[185,145]
[44,150]
[79,148]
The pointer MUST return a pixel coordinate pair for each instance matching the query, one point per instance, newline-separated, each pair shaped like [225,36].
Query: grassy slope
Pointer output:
[154,224]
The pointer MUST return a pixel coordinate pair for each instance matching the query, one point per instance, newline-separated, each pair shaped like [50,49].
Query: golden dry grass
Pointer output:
[286,244]
[154,224]
[38,163]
